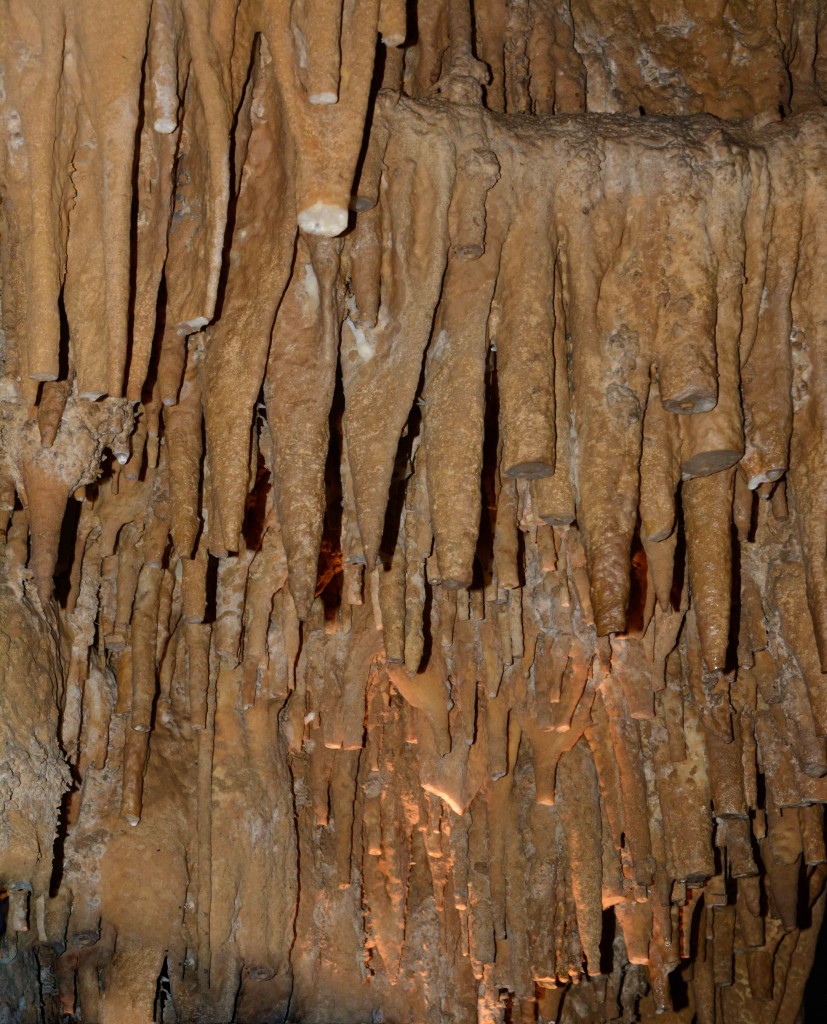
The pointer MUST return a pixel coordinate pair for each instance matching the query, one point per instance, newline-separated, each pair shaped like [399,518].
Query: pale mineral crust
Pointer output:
[413,511]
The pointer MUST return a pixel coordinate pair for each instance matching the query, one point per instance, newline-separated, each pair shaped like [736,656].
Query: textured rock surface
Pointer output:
[413,492]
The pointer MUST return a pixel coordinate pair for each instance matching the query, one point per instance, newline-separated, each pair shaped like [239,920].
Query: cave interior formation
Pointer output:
[413,511]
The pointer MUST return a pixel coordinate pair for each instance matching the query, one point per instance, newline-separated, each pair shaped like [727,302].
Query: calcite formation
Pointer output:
[413,507]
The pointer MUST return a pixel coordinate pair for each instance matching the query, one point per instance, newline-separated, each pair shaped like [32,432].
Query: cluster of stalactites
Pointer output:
[664,331]
[521,639]
[563,647]
[108,106]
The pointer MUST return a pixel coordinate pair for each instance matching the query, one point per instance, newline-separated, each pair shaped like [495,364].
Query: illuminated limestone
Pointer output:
[427,621]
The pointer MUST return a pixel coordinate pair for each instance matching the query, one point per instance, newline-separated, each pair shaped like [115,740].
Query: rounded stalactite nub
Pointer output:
[326,219]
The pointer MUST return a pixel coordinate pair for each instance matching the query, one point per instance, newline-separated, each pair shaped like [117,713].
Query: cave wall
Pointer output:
[413,491]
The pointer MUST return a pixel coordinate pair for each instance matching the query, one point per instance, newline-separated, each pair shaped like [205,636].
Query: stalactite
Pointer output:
[707,505]
[524,343]
[608,364]
[157,147]
[414,211]
[322,186]
[236,349]
[182,432]
[33,130]
[452,432]
[807,477]
[303,351]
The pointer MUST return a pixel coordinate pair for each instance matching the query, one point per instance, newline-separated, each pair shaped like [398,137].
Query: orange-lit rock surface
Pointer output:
[413,511]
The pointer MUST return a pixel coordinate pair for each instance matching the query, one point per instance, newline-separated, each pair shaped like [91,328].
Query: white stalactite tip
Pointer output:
[164,125]
[769,477]
[325,219]
[323,99]
[191,326]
